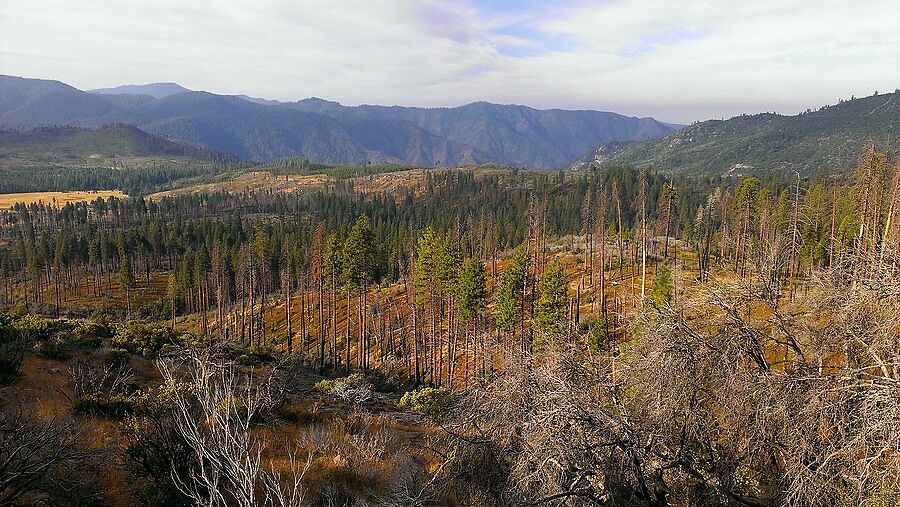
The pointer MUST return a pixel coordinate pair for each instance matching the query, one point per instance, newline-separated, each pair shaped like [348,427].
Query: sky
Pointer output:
[678,61]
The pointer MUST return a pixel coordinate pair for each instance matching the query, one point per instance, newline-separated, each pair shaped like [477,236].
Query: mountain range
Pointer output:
[322,131]
[827,140]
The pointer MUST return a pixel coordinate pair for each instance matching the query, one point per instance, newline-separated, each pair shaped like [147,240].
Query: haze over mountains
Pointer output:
[323,131]
[155,90]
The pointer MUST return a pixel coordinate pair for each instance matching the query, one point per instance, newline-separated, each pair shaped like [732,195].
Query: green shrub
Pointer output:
[10,362]
[116,357]
[159,310]
[300,416]
[91,333]
[391,381]
[116,407]
[597,338]
[663,286]
[57,348]
[323,386]
[254,356]
[433,402]
[146,339]
[12,350]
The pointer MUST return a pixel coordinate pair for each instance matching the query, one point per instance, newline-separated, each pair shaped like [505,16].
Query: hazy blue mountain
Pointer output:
[513,134]
[155,90]
[323,131]
[40,102]
[250,131]
[829,139]
[259,100]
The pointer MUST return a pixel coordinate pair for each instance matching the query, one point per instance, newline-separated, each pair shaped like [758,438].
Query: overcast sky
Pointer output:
[677,61]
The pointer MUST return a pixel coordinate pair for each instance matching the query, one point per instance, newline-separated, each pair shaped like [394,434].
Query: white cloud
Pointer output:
[678,61]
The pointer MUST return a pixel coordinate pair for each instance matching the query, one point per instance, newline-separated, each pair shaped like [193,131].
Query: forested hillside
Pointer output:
[823,141]
[114,157]
[326,132]
[117,145]
[489,336]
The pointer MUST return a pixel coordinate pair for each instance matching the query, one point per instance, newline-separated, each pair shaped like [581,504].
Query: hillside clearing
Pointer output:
[58,198]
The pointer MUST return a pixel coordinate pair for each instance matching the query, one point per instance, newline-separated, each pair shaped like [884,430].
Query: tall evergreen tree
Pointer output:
[471,292]
[550,310]
[358,265]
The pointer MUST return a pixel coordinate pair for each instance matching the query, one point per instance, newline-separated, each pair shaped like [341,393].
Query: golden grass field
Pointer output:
[255,180]
[396,183]
[59,198]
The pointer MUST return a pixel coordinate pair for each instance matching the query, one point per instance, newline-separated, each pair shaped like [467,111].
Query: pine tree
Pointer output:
[202,267]
[471,292]
[172,293]
[550,316]
[426,281]
[663,286]
[126,279]
[508,305]
[357,273]
[332,269]
[286,290]
[317,274]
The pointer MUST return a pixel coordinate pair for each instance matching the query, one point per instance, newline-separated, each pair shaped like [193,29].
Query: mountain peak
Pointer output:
[317,101]
[155,90]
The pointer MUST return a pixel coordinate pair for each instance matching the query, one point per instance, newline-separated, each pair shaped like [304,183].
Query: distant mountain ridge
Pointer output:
[518,135]
[323,131]
[155,90]
[829,139]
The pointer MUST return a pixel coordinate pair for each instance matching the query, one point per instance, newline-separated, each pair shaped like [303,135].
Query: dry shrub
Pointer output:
[749,400]
[353,389]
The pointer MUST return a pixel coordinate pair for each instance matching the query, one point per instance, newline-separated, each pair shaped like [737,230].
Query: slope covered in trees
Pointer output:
[611,337]
[116,145]
[155,90]
[114,157]
[814,142]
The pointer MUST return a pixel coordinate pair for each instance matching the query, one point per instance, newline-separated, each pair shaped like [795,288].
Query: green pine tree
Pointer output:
[470,289]
[663,286]
[507,305]
[358,255]
[550,310]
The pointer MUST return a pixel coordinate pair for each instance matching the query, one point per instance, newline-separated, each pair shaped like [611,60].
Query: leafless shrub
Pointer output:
[216,417]
[33,451]
[796,403]
[759,402]
[99,382]
[353,389]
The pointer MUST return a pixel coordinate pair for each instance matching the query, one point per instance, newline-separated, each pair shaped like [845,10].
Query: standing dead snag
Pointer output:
[601,231]
[587,221]
[642,206]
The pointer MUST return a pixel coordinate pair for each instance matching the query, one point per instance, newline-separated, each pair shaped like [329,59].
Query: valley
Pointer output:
[224,300]
[382,331]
